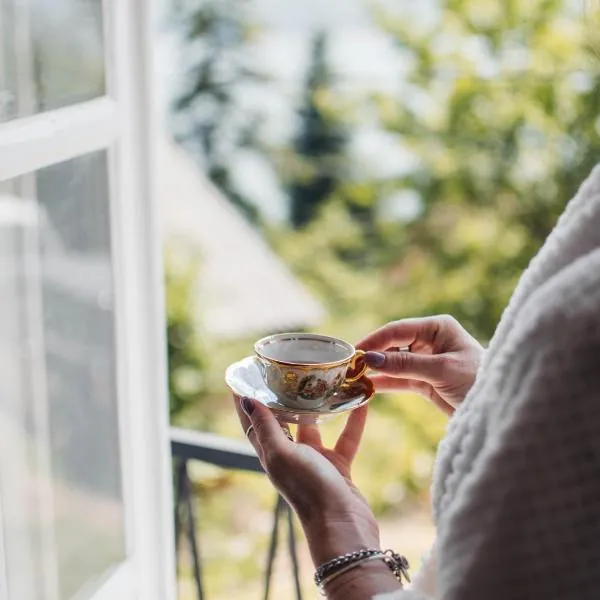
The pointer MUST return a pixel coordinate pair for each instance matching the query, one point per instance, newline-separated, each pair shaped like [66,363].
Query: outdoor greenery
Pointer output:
[187,363]
[500,108]
[212,119]
[317,160]
[498,115]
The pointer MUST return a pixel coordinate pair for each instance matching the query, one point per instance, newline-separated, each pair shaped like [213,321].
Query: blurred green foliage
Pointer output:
[187,363]
[210,118]
[499,108]
[315,166]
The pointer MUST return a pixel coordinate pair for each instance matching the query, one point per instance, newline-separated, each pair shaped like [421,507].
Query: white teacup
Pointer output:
[303,370]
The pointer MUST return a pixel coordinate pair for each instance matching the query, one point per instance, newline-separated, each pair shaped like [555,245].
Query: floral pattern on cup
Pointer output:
[312,388]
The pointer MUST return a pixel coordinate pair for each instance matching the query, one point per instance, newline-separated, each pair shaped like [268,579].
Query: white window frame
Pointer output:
[122,123]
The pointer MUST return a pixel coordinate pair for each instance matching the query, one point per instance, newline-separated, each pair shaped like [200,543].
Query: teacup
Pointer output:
[303,370]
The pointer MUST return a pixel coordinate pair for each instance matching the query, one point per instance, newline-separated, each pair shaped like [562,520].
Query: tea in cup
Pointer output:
[304,370]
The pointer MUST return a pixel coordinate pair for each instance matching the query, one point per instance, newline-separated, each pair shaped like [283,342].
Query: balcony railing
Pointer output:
[227,454]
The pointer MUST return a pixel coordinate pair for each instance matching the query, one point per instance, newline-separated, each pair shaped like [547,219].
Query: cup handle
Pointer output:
[358,367]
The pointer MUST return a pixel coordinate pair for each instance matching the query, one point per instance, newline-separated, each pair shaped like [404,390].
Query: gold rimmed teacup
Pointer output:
[303,370]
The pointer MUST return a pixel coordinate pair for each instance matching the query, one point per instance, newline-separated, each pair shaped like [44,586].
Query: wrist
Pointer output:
[329,538]
[366,580]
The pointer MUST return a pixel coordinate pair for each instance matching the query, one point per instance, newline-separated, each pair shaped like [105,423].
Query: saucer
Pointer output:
[245,379]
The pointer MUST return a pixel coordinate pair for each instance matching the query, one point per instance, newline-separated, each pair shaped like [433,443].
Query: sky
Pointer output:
[359,52]
[362,57]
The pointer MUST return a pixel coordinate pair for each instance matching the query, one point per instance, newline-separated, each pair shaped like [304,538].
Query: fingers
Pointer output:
[242,416]
[384,383]
[349,440]
[310,435]
[401,333]
[424,367]
[266,435]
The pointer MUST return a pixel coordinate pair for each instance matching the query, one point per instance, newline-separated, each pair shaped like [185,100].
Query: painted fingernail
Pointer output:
[375,359]
[248,406]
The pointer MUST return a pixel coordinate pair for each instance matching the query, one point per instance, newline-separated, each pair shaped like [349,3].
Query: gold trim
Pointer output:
[368,394]
[287,410]
[305,366]
[358,354]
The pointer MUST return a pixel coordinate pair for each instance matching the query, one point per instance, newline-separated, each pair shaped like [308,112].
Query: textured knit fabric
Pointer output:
[516,491]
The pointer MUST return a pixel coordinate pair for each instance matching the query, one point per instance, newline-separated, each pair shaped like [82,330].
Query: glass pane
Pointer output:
[68,51]
[19,478]
[58,251]
[51,55]
[8,87]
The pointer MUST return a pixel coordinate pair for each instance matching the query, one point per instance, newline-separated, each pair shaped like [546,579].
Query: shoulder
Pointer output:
[545,379]
[576,235]
[564,312]
[589,189]
[551,361]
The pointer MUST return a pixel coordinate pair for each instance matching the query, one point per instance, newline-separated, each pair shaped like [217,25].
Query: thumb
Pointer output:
[266,435]
[423,367]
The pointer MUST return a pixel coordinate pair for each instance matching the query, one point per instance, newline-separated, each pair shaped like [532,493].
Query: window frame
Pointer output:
[122,123]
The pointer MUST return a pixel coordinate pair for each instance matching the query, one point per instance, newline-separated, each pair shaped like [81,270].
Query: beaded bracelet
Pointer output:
[341,564]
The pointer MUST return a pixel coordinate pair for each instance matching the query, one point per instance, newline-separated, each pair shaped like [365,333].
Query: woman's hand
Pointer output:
[315,480]
[440,364]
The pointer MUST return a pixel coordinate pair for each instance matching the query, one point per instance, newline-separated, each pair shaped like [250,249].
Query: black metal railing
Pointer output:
[228,454]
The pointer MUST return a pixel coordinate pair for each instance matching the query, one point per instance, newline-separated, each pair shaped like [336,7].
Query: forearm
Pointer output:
[329,540]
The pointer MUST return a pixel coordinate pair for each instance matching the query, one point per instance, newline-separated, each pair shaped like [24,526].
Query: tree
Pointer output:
[187,363]
[319,147]
[499,108]
[212,120]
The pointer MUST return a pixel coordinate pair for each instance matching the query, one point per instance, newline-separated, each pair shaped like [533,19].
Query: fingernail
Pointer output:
[375,359]
[248,406]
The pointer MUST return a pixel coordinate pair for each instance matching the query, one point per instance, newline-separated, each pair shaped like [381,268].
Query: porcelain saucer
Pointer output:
[245,379]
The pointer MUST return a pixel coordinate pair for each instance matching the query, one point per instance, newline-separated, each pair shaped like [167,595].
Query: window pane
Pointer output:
[8,86]
[19,487]
[57,254]
[68,51]
[51,55]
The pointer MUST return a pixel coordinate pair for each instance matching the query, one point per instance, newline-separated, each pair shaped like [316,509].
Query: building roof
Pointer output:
[245,288]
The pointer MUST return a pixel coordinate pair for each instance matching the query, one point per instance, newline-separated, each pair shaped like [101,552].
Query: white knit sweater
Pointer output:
[516,491]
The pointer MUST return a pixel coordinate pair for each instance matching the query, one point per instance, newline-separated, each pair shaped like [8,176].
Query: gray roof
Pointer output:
[245,288]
